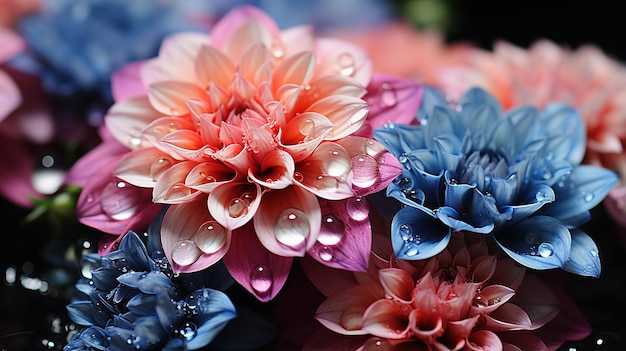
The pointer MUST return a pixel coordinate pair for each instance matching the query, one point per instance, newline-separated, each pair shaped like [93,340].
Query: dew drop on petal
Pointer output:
[388,96]
[345,64]
[406,233]
[237,208]
[357,208]
[364,171]
[545,249]
[119,200]
[185,252]
[188,330]
[307,129]
[480,301]
[337,163]
[210,237]
[261,280]
[298,177]
[410,249]
[277,49]
[588,197]
[177,190]
[331,231]
[291,227]
[247,198]
[159,166]
[326,254]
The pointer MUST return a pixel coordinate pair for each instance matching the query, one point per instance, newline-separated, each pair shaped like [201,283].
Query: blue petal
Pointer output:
[485,116]
[154,232]
[442,122]
[147,333]
[148,283]
[477,98]
[561,119]
[142,304]
[457,196]
[448,151]
[92,337]
[104,278]
[416,235]
[214,311]
[503,136]
[450,217]
[431,97]
[582,190]
[136,253]
[81,312]
[539,242]
[584,258]
[389,139]
[536,197]
[528,130]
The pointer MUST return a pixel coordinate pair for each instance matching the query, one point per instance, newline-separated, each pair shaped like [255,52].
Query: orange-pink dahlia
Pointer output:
[461,299]
[246,134]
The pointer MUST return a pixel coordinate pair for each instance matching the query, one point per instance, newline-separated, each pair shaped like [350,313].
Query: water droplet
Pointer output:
[545,249]
[593,253]
[587,197]
[326,254]
[237,208]
[159,166]
[480,301]
[185,252]
[119,200]
[406,233]
[298,177]
[210,237]
[345,64]
[337,163]
[357,208]
[188,330]
[261,280]
[364,171]
[388,96]
[541,196]
[135,137]
[331,231]
[291,227]
[411,250]
[177,190]
[307,129]
[277,50]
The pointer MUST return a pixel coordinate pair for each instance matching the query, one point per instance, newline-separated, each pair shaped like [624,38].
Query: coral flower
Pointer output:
[513,175]
[246,134]
[461,299]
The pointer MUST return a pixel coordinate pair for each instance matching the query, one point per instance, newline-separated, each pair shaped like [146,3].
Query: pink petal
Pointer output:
[346,59]
[185,144]
[10,93]
[214,66]
[143,167]
[276,170]
[484,267]
[397,283]
[260,272]
[537,300]
[12,44]
[484,340]
[168,97]
[507,317]
[234,204]
[346,113]
[296,70]
[225,32]
[170,188]
[252,64]
[288,221]
[126,82]
[208,175]
[303,133]
[324,172]
[345,237]
[294,40]
[235,156]
[386,319]
[126,120]
[16,172]
[326,279]
[460,330]
[192,240]
[491,298]
[392,99]
[161,127]
[176,59]
[107,152]
[343,312]
[508,273]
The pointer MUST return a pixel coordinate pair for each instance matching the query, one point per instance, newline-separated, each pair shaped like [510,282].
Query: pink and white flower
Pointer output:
[248,135]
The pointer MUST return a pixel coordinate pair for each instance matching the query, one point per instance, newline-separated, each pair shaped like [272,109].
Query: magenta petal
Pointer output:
[11,97]
[345,238]
[15,174]
[259,271]
[225,28]
[109,151]
[126,82]
[392,99]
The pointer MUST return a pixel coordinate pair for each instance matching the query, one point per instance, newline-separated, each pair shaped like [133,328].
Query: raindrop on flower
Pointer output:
[406,233]
[291,227]
[364,171]
[237,208]
[261,280]
[210,237]
[188,330]
[331,231]
[298,177]
[545,249]
[357,208]
[135,137]
[587,197]
[159,166]
[277,50]
[119,200]
[480,301]
[185,252]
[541,196]
[307,128]
[326,254]
[345,64]
[388,96]
[410,249]
[177,190]
[336,163]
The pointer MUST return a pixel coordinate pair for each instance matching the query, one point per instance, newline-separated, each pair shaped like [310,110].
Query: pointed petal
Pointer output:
[276,170]
[537,300]
[288,221]
[214,66]
[397,283]
[392,99]
[170,188]
[168,97]
[185,144]
[217,310]
[126,120]
[324,172]
[232,29]
[485,340]
[303,133]
[208,175]
[346,113]
[338,56]
[584,258]
[143,167]
[416,235]
[234,204]
[259,271]
[386,319]
[296,70]
[176,59]
[508,317]
[161,127]
[343,312]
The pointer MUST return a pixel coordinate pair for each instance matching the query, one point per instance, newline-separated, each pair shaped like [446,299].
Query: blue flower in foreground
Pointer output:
[130,303]
[514,175]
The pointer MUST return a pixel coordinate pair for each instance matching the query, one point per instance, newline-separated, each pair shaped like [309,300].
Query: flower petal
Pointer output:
[234,204]
[143,167]
[416,235]
[584,258]
[170,188]
[127,119]
[212,65]
[126,82]
[343,312]
[392,99]
[397,283]
[168,97]
[176,59]
[276,171]
[346,113]
[386,319]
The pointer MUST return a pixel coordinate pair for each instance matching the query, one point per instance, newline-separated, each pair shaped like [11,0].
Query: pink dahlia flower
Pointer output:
[463,298]
[247,135]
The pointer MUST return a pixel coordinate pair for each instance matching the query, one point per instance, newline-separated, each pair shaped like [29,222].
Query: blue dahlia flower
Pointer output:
[131,303]
[514,175]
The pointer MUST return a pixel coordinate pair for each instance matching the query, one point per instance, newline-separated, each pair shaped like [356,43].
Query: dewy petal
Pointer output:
[484,340]
[190,226]
[343,312]
[386,319]
[217,311]
[296,70]
[170,188]
[303,133]
[185,144]
[324,172]
[339,57]
[567,121]
[345,237]
[127,120]
[346,113]
[143,167]
[169,97]
[494,296]
[392,99]
[234,204]
[162,127]
[208,175]
[397,283]
[539,242]
[288,221]
[252,64]
[276,170]
[507,317]
[227,31]
[416,235]
[214,66]
[262,273]
[584,258]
